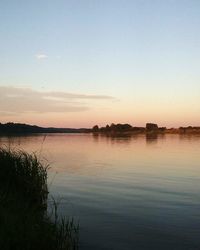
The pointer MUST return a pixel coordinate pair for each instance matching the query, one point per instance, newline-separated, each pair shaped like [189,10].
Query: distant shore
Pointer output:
[20,128]
[150,128]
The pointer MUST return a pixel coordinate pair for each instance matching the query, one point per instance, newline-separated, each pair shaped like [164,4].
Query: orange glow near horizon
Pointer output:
[89,120]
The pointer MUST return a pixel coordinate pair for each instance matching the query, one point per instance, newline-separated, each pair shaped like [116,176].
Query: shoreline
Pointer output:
[151,128]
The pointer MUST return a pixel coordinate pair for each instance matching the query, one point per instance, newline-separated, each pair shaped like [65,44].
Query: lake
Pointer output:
[132,192]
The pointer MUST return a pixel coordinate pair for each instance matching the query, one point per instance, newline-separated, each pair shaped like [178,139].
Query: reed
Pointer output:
[25,223]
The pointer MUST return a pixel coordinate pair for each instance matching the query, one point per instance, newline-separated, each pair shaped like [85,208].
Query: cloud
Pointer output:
[15,100]
[41,56]
[79,96]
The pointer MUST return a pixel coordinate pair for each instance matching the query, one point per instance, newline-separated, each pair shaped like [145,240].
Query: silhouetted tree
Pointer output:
[107,128]
[95,128]
[151,127]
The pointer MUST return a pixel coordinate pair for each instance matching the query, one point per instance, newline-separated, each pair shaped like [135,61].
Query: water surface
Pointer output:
[127,192]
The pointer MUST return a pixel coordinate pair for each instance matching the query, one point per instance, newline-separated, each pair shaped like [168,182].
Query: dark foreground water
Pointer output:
[127,192]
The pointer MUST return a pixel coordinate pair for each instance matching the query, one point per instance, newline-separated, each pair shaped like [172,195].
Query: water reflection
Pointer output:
[128,192]
[152,138]
[189,137]
[116,137]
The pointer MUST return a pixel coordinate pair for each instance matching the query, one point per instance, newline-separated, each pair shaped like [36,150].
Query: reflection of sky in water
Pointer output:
[128,192]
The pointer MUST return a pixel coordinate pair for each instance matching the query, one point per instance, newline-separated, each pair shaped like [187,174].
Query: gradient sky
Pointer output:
[77,63]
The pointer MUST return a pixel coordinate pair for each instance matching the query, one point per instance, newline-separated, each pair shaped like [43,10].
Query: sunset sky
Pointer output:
[79,63]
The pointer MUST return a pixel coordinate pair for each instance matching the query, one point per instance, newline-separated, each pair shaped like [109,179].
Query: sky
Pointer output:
[77,63]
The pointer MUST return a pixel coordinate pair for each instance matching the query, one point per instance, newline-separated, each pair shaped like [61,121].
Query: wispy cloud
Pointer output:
[15,100]
[41,56]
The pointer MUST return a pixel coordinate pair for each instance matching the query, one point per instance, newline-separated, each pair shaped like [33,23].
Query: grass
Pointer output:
[24,221]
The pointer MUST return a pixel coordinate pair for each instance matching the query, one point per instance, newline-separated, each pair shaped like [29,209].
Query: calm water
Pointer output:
[127,192]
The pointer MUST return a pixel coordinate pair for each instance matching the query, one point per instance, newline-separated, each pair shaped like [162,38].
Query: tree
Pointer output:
[151,126]
[95,128]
